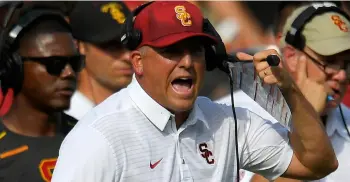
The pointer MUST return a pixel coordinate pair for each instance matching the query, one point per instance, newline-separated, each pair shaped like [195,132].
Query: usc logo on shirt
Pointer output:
[46,167]
[206,153]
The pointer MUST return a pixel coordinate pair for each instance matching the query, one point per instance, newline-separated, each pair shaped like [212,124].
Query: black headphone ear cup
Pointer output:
[4,71]
[210,58]
[300,42]
[15,72]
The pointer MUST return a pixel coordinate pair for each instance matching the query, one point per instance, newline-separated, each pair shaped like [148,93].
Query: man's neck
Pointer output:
[180,118]
[93,90]
[24,119]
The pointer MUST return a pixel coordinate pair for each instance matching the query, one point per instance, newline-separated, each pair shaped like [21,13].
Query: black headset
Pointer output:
[11,65]
[214,55]
[294,36]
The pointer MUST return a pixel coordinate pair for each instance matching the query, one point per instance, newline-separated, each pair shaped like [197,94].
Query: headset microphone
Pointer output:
[272,60]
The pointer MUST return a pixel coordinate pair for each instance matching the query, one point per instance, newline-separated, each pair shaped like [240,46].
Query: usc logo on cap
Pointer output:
[183,16]
[340,23]
[115,10]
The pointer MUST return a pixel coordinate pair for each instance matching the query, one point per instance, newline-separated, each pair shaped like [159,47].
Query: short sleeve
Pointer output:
[266,149]
[85,156]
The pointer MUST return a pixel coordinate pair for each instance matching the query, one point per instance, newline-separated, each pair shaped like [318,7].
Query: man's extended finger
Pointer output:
[261,66]
[263,73]
[261,56]
[270,79]
[244,57]
[301,68]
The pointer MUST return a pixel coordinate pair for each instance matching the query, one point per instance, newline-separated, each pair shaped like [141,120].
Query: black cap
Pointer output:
[98,22]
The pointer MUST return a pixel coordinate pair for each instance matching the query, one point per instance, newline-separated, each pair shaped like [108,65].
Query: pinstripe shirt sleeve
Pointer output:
[85,156]
[266,150]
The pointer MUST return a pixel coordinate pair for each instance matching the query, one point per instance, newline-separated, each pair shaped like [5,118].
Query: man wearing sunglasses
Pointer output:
[325,62]
[96,26]
[33,129]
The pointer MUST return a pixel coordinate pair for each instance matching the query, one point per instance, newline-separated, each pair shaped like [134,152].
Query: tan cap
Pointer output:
[326,34]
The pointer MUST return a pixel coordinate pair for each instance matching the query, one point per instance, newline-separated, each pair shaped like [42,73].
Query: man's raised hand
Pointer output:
[269,74]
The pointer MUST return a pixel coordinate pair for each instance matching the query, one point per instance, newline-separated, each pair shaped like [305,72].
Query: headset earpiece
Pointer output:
[214,55]
[131,37]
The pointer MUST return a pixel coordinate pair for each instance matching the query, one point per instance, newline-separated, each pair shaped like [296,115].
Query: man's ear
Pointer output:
[278,37]
[136,61]
[290,57]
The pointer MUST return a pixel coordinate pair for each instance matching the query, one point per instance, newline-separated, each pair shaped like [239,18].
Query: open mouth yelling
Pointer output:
[183,86]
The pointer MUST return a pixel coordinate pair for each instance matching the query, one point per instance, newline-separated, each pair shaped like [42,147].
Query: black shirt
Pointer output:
[30,159]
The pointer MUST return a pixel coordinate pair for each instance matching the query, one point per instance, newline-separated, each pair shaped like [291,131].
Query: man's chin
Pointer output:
[182,106]
[58,107]
[120,83]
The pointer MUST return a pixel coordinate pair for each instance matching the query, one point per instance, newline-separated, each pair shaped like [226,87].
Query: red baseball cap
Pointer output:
[163,23]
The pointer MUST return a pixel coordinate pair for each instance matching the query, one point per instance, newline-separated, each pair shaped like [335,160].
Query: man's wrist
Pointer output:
[292,95]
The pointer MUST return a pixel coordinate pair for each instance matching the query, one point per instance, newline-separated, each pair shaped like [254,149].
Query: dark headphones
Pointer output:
[294,36]
[214,55]
[11,65]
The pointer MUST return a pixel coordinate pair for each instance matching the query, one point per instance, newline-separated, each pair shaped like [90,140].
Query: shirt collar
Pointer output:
[156,113]
[335,122]
[196,115]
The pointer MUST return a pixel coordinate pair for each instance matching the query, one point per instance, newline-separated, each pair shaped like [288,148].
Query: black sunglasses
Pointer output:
[55,64]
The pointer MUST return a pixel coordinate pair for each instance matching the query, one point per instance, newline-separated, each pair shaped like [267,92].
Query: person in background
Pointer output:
[96,26]
[326,55]
[6,96]
[41,65]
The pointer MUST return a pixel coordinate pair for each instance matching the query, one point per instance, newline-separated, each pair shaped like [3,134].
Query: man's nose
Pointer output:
[186,60]
[68,71]
[340,76]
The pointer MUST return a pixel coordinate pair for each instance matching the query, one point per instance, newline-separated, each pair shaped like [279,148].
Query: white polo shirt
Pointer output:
[242,100]
[130,137]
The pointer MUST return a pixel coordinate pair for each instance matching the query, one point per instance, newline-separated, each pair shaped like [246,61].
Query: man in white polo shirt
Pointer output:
[157,129]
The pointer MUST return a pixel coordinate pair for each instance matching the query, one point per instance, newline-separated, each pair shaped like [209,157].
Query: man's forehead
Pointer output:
[47,38]
[47,44]
[345,55]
